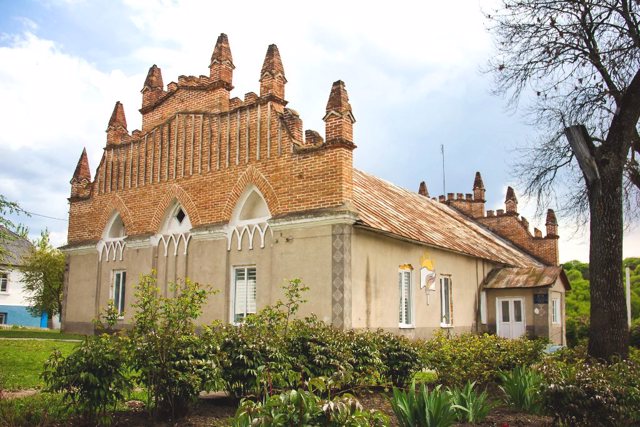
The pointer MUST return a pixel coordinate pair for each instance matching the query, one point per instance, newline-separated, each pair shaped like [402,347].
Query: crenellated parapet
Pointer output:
[506,222]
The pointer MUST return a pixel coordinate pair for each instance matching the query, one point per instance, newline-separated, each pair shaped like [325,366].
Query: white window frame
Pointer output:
[119,303]
[555,311]
[405,297]
[4,282]
[446,323]
[234,297]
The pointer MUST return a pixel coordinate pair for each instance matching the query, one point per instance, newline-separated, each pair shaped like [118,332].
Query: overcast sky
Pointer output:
[412,70]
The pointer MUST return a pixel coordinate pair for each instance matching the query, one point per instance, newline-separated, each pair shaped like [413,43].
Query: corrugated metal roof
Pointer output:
[389,208]
[532,277]
[16,248]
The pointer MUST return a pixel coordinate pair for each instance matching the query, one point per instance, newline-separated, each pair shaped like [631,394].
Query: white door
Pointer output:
[510,317]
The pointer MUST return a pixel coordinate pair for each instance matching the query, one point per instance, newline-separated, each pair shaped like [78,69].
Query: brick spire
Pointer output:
[118,118]
[478,187]
[221,66]
[339,119]
[423,189]
[117,129]
[80,183]
[272,79]
[552,224]
[153,86]
[82,171]
[511,202]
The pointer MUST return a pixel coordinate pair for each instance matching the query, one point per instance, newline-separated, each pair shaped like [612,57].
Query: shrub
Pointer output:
[469,405]
[522,389]
[173,363]
[304,408]
[472,357]
[400,358]
[581,391]
[423,408]
[42,409]
[93,378]
[634,334]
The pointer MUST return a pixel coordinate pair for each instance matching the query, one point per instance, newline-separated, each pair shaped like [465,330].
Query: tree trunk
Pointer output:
[609,331]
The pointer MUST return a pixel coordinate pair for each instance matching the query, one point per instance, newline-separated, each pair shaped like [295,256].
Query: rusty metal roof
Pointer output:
[532,277]
[388,208]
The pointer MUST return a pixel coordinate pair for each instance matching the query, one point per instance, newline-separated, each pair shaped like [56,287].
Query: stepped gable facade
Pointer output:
[236,194]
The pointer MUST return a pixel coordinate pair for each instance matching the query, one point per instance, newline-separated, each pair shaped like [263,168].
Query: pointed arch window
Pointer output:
[249,218]
[175,230]
[112,245]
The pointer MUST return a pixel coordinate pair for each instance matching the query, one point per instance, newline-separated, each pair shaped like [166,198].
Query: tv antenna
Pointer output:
[444,187]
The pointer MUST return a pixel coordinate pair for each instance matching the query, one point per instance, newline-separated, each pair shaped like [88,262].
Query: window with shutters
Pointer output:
[244,293]
[446,302]
[118,290]
[406,306]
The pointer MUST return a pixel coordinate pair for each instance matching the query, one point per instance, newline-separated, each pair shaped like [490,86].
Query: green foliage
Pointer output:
[400,357]
[426,376]
[43,275]
[172,362]
[469,405]
[522,389]
[423,408]
[634,337]
[93,378]
[472,357]
[7,227]
[42,409]
[581,391]
[304,408]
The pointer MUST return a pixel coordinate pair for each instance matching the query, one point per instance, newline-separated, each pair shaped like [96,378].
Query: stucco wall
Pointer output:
[376,262]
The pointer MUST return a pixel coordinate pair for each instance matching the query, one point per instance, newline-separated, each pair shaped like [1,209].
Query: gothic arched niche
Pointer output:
[112,245]
[176,220]
[115,228]
[248,224]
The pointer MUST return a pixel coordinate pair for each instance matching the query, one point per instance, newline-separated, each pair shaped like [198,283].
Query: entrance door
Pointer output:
[510,317]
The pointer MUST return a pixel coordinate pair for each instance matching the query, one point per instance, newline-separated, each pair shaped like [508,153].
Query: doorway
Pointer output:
[510,317]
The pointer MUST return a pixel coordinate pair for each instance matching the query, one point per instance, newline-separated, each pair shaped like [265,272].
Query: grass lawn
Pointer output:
[21,361]
[38,333]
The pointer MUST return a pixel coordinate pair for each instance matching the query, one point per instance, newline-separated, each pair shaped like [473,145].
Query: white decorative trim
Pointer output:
[175,238]
[250,229]
[79,250]
[111,247]
[348,218]
[213,233]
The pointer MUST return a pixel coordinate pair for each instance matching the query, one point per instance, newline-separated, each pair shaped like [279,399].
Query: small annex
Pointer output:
[234,193]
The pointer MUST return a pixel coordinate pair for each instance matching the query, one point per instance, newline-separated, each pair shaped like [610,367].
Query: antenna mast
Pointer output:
[444,188]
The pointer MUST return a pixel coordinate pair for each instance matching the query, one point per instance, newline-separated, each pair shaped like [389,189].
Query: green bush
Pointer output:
[472,357]
[93,379]
[172,362]
[581,391]
[469,405]
[304,408]
[634,334]
[400,357]
[423,408]
[522,389]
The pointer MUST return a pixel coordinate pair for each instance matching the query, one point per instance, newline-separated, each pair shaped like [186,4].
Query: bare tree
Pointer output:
[578,63]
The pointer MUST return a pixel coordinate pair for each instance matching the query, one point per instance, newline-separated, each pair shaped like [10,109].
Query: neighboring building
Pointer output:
[13,305]
[235,194]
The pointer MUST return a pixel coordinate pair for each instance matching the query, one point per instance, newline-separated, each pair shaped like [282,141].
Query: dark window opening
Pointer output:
[180,215]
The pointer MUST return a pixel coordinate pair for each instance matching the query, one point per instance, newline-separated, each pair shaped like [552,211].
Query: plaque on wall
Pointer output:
[541,298]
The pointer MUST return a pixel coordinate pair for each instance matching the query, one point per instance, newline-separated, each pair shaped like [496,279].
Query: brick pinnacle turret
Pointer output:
[82,172]
[339,118]
[221,66]
[118,118]
[478,188]
[272,79]
[511,201]
[423,191]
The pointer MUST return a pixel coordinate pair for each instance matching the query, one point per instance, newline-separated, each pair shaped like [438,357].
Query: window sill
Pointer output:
[446,326]
[403,326]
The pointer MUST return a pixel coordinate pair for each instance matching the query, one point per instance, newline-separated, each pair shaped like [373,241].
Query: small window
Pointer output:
[180,215]
[446,310]
[118,290]
[244,293]
[404,289]
[555,311]
[3,318]
[4,282]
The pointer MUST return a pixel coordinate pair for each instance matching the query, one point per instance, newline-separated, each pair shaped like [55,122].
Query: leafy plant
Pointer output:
[522,389]
[400,357]
[469,405]
[172,362]
[93,378]
[423,408]
[304,408]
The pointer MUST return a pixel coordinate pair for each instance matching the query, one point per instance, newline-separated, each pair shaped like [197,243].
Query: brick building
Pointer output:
[236,194]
